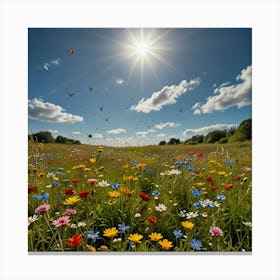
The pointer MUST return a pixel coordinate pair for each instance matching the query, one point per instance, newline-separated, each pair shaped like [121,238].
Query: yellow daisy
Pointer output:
[110,232]
[154,236]
[72,200]
[135,237]
[187,224]
[165,244]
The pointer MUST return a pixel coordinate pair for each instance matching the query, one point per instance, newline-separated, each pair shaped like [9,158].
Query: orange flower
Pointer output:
[228,186]
[75,240]
[213,188]
[152,219]
[127,191]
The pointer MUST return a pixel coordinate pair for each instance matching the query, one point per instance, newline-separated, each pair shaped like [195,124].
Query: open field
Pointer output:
[152,198]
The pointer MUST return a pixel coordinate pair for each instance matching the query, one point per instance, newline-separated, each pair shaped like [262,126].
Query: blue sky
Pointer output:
[138,86]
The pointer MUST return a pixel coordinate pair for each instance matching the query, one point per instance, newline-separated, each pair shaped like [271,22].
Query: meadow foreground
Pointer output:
[152,198]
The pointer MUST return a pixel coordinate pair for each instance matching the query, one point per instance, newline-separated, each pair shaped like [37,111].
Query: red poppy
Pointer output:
[31,189]
[69,192]
[84,193]
[75,240]
[213,188]
[237,178]
[144,196]
[199,154]
[152,219]
[228,186]
[209,179]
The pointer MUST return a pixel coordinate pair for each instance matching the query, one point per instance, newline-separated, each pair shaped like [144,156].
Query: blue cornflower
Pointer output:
[65,180]
[150,171]
[221,197]
[61,169]
[131,244]
[196,244]
[177,233]
[123,228]
[134,163]
[197,205]
[93,235]
[54,184]
[44,196]
[115,185]
[190,168]
[197,193]
[180,163]
[155,193]
[57,174]
[51,169]
[229,161]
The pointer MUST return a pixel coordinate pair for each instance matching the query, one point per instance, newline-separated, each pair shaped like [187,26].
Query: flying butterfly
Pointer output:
[70,51]
[89,136]
[71,94]
[90,88]
[106,119]
[101,108]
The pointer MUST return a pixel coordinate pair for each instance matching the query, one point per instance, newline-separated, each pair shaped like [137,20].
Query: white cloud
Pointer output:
[119,81]
[116,131]
[142,133]
[161,135]
[53,131]
[167,95]
[237,95]
[165,125]
[76,132]
[97,136]
[45,111]
[145,133]
[224,84]
[206,129]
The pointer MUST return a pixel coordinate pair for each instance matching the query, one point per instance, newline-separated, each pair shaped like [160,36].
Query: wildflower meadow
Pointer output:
[139,199]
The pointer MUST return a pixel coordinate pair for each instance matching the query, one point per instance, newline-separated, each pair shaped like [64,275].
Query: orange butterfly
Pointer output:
[70,51]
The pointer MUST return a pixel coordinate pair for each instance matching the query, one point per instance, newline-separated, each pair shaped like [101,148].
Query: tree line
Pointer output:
[46,137]
[234,134]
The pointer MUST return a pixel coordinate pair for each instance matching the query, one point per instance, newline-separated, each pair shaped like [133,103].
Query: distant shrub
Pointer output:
[223,140]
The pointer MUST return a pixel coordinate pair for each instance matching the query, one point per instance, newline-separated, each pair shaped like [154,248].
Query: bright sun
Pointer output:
[142,48]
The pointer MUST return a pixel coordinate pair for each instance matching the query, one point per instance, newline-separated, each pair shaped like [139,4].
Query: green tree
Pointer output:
[215,136]
[243,132]
[162,143]
[174,141]
[43,137]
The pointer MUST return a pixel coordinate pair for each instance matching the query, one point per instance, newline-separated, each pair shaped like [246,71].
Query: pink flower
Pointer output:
[92,181]
[69,212]
[42,208]
[61,221]
[216,231]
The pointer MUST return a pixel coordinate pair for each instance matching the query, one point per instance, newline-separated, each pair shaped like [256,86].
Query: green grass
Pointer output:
[99,211]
